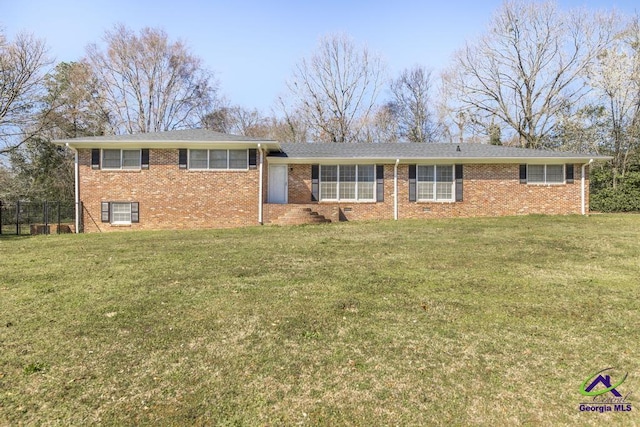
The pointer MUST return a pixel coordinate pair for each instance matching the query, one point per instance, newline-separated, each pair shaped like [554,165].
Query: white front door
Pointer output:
[277,183]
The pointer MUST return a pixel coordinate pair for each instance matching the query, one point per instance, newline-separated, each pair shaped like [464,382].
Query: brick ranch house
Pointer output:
[203,179]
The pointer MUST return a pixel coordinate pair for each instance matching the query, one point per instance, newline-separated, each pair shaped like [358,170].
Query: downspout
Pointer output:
[76,176]
[583,187]
[260,221]
[395,190]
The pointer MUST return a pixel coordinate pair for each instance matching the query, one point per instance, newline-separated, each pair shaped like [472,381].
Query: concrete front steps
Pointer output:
[299,216]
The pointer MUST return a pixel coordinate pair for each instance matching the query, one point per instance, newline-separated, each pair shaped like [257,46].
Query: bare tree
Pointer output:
[292,127]
[615,78]
[74,108]
[237,120]
[148,83]
[382,126]
[529,65]
[335,90]
[23,64]
[411,98]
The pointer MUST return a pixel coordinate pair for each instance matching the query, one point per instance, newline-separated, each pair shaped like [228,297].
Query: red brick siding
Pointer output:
[495,190]
[489,190]
[172,198]
[169,197]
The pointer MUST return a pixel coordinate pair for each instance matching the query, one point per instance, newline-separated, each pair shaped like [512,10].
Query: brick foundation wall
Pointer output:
[169,197]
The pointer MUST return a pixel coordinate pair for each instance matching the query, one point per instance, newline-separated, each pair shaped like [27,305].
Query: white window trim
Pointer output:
[209,168]
[338,199]
[564,174]
[435,182]
[138,167]
[111,213]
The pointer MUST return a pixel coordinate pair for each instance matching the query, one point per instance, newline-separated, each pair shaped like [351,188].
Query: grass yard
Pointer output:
[447,322]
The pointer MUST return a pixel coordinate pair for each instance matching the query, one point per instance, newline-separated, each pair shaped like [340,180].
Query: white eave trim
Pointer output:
[169,145]
[433,160]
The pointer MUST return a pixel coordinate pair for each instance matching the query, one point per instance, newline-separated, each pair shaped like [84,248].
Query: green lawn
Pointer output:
[468,321]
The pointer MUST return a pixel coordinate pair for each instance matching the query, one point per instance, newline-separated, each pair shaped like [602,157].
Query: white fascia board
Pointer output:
[169,145]
[434,160]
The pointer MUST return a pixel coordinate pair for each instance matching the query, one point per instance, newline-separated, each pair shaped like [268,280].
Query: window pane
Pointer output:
[347,190]
[555,174]
[328,190]
[218,159]
[348,173]
[425,173]
[424,190]
[347,181]
[444,173]
[197,159]
[444,191]
[365,190]
[329,173]
[121,213]
[366,173]
[535,173]
[111,159]
[366,179]
[238,159]
[328,182]
[131,159]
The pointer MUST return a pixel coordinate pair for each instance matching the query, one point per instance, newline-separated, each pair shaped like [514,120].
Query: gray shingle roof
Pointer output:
[184,135]
[301,152]
[386,151]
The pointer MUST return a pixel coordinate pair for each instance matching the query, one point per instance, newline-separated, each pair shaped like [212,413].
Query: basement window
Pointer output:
[120,213]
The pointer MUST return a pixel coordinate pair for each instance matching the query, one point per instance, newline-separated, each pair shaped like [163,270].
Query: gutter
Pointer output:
[583,196]
[395,190]
[260,168]
[76,176]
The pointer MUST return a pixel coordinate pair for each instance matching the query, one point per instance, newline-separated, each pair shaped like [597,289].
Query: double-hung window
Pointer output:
[435,183]
[120,213]
[121,159]
[347,182]
[545,174]
[219,159]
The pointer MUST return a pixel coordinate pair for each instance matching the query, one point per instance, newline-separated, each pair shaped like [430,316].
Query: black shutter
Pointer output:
[182,158]
[104,212]
[568,174]
[412,183]
[253,158]
[145,158]
[380,183]
[523,174]
[459,173]
[135,212]
[315,180]
[95,158]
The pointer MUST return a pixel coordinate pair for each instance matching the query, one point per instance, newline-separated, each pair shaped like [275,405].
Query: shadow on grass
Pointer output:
[14,236]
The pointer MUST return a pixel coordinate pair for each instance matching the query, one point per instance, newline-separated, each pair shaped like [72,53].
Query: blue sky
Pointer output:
[252,46]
